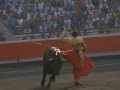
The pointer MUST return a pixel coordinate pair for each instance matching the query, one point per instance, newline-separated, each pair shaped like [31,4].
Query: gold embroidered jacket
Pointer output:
[76,43]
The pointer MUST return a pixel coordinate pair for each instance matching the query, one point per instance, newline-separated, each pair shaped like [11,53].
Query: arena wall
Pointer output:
[25,51]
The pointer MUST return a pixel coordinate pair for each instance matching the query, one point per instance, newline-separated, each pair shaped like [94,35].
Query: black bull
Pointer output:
[51,65]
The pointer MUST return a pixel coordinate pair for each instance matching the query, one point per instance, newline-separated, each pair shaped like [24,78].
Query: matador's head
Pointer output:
[74,33]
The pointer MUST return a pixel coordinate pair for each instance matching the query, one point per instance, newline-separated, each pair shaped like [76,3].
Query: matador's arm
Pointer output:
[65,38]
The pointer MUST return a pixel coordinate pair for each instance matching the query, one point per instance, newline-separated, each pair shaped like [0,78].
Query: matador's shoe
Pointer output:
[78,83]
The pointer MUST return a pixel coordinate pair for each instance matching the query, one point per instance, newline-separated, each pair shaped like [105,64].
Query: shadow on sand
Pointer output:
[45,88]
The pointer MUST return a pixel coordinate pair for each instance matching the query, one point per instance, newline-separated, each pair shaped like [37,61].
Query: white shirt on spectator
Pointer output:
[89,26]
[52,9]
[18,10]
[43,29]
[40,5]
[91,12]
[89,5]
[106,19]
[56,13]
[54,23]
[102,5]
[66,1]
[95,18]
[86,1]
[97,11]
[27,30]
[20,21]
[67,21]
[109,15]
[28,16]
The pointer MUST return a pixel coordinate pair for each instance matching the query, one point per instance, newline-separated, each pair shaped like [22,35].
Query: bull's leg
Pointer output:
[52,78]
[44,76]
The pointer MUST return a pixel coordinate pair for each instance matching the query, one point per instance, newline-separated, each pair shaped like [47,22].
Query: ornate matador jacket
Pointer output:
[76,43]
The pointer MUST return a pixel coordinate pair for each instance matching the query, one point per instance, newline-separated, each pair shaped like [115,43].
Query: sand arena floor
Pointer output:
[95,81]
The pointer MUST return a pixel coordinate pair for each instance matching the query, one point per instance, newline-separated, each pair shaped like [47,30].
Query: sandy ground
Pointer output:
[95,81]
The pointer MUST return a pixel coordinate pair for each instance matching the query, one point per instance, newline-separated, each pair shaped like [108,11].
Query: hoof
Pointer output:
[53,81]
[42,84]
[48,86]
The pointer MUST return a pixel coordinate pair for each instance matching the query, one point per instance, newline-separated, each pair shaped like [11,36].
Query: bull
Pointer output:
[52,63]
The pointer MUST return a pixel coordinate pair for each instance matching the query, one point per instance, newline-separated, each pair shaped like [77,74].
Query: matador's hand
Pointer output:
[67,28]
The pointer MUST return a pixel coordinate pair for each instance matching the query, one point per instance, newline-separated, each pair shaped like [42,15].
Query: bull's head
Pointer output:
[57,50]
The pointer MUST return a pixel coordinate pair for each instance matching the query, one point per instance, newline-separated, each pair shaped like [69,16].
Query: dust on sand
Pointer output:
[95,81]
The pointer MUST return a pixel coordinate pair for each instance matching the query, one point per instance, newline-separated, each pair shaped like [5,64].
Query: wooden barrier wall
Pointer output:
[24,50]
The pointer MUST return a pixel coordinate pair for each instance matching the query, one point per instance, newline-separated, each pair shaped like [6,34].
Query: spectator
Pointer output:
[88,26]
[52,29]
[43,28]
[43,36]
[105,18]
[32,26]
[40,3]
[12,22]
[61,23]
[27,30]
[20,20]
[97,10]
[83,21]
[73,27]
[17,9]
[71,12]
[89,4]
[91,10]
[9,10]
[103,4]
[12,5]
[101,15]
[15,15]
[117,23]
[53,3]
[29,14]
[118,9]
[36,30]
[56,13]
[67,21]
[115,13]
[46,24]
[95,3]
[59,28]
[95,18]
[83,7]
[53,18]
[96,25]
[21,31]
[60,13]
[5,19]
[43,14]
[110,24]
[79,2]
[38,17]
[103,24]
[32,18]
[25,9]
[105,9]
[109,14]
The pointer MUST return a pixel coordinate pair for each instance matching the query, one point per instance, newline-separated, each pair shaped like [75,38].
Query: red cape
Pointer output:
[73,58]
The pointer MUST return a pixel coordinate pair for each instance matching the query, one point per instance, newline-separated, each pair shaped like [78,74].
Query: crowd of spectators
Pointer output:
[53,16]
